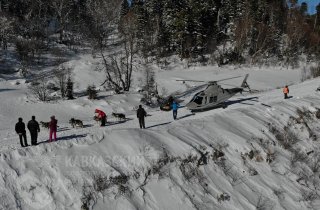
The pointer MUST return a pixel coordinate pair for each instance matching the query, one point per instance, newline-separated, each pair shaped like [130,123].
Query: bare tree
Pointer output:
[149,82]
[119,66]
[39,90]
[103,16]
[6,29]
[61,74]
[62,10]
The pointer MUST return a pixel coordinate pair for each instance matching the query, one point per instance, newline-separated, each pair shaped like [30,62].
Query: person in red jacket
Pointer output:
[285,91]
[53,128]
[101,116]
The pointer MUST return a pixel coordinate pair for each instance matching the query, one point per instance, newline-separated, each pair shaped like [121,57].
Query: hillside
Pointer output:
[262,149]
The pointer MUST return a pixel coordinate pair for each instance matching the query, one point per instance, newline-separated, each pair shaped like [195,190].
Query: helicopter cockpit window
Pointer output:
[198,100]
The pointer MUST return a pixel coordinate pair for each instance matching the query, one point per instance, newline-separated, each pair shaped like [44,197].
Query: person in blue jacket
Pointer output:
[175,106]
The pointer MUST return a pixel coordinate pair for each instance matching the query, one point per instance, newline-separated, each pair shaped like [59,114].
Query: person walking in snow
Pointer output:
[53,128]
[141,114]
[34,129]
[285,91]
[21,131]
[175,106]
[101,116]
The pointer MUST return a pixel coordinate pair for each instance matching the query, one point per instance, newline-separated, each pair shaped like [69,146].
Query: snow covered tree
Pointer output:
[6,30]
[102,17]
[62,10]
[149,81]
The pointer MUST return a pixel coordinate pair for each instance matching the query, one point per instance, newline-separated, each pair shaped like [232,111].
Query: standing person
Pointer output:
[175,106]
[21,130]
[53,128]
[285,91]
[34,128]
[101,116]
[141,114]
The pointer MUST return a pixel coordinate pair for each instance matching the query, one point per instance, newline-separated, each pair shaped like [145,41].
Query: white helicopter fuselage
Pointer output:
[213,96]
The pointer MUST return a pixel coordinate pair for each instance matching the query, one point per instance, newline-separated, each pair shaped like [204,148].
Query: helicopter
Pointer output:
[212,96]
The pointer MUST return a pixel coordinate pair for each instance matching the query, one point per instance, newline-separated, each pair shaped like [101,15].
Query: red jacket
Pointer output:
[101,114]
[53,124]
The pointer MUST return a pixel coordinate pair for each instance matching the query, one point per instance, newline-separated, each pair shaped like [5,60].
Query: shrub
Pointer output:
[92,92]
[315,71]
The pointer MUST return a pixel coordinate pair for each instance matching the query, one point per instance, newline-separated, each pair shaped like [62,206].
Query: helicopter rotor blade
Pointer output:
[250,90]
[227,79]
[190,91]
[189,80]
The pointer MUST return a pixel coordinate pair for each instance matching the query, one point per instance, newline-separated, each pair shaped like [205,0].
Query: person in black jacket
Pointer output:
[21,130]
[34,128]
[141,114]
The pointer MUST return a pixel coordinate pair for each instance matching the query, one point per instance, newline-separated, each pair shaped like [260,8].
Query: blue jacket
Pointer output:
[175,106]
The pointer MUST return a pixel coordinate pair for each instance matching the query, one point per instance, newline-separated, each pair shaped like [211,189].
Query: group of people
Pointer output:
[34,129]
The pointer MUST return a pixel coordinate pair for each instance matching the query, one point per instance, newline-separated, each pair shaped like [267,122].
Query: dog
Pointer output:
[76,123]
[45,124]
[97,119]
[119,116]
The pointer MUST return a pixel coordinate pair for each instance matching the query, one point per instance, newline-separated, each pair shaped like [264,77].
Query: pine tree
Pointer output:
[124,8]
[69,89]
[304,8]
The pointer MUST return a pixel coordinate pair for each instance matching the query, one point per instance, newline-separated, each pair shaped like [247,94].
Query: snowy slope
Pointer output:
[123,167]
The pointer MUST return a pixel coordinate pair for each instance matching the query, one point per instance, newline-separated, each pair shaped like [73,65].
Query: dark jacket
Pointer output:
[20,127]
[33,126]
[53,124]
[141,113]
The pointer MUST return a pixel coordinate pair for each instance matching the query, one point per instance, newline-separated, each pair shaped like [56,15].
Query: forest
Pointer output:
[217,31]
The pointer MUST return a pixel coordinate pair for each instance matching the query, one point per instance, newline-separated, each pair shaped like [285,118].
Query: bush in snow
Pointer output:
[102,183]
[92,92]
[223,197]
[318,114]
[285,136]
[298,156]
[264,203]
[88,197]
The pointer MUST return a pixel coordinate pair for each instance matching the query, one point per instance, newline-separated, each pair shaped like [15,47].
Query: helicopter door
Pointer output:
[198,100]
[213,99]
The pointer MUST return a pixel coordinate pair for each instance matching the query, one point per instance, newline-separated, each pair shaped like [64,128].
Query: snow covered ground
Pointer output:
[269,150]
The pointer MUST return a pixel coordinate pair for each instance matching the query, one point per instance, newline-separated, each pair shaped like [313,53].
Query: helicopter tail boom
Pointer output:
[244,82]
